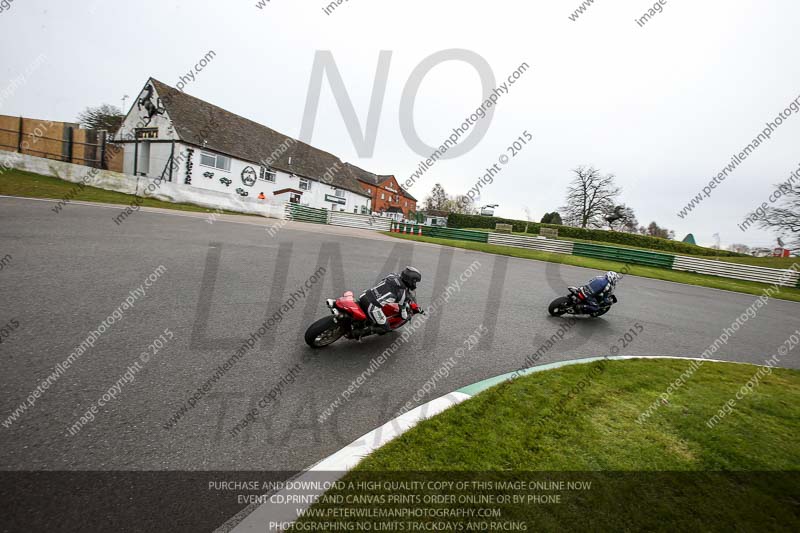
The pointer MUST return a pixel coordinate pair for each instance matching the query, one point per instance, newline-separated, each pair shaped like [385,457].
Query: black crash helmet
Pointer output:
[411,276]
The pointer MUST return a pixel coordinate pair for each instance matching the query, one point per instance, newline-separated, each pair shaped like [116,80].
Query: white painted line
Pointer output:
[337,465]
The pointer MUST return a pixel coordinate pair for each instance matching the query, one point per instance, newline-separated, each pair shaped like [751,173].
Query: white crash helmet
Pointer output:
[612,277]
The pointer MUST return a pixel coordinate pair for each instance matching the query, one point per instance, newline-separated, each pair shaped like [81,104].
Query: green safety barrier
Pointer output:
[302,213]
[442,233]
[624,255]
[459,234]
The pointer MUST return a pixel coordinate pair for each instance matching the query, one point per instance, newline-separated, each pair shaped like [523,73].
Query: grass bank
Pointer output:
[670,472]
[29,185]
[702,280]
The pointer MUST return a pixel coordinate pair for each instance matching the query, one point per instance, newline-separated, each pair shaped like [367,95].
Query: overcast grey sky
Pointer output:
[664,106]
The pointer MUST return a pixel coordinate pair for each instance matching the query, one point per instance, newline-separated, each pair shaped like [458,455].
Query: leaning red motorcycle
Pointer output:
[349,320]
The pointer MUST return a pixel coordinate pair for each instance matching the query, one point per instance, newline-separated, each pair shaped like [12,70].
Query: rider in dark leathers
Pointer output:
[392,289]
[598,290]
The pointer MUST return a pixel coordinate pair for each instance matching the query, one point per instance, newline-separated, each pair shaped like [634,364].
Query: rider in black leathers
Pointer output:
[392,289]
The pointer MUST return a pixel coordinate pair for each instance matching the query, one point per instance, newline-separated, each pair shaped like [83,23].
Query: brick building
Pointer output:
[389,199]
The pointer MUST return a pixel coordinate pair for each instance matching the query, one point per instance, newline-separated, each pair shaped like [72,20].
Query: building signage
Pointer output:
[249,176]
[335,199]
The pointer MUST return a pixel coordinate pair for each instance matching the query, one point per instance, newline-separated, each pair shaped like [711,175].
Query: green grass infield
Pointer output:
[569,449]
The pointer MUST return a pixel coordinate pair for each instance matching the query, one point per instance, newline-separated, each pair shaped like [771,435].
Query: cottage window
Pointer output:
[383,196]
[339,193]
[267,174]
[305,185]
[221,162]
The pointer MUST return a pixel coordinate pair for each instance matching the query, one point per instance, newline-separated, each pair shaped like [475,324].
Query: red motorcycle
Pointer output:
[349,320]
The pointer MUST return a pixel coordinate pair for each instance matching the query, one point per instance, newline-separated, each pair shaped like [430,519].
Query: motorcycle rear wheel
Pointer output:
[558,306]
[323,332]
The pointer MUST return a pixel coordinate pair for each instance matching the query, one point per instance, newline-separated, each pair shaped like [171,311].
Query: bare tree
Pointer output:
[739,248]
[461,204]
[590,197]
[654,230]
[630,224]
[437,199]
[528,214]
[528,217]
[785,218]
[552,218]
[106,117]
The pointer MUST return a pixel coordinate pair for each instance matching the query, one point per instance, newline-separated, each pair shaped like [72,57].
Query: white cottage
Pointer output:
[183,139]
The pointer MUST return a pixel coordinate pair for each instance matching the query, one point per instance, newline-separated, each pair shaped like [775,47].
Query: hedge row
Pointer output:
[455,220]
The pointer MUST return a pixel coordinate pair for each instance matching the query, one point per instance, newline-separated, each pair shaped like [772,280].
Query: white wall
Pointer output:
[313,198]
[114,181]
[159,155]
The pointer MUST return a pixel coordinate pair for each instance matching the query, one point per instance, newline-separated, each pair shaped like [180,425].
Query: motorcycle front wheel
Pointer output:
[559,306]
[323,332]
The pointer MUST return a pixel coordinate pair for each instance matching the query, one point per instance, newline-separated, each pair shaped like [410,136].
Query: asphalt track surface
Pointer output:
[69,271]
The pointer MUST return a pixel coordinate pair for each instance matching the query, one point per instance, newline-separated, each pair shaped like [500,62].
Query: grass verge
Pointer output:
[671,471]
[702,280]
[29,185]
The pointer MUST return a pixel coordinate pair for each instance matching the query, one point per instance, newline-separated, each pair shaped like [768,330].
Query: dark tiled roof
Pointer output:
[363,175]
[203,124]
[374,179]
[436,213]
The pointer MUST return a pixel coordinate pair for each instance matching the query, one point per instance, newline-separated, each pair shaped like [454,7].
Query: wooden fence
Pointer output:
[63,141]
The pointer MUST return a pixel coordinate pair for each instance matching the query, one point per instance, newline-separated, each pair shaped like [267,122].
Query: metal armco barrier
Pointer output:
[624,255]
[786,278]
[301,213]
[518,241]
[351,220]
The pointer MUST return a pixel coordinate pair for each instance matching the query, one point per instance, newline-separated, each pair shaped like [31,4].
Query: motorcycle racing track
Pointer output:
[71,270]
